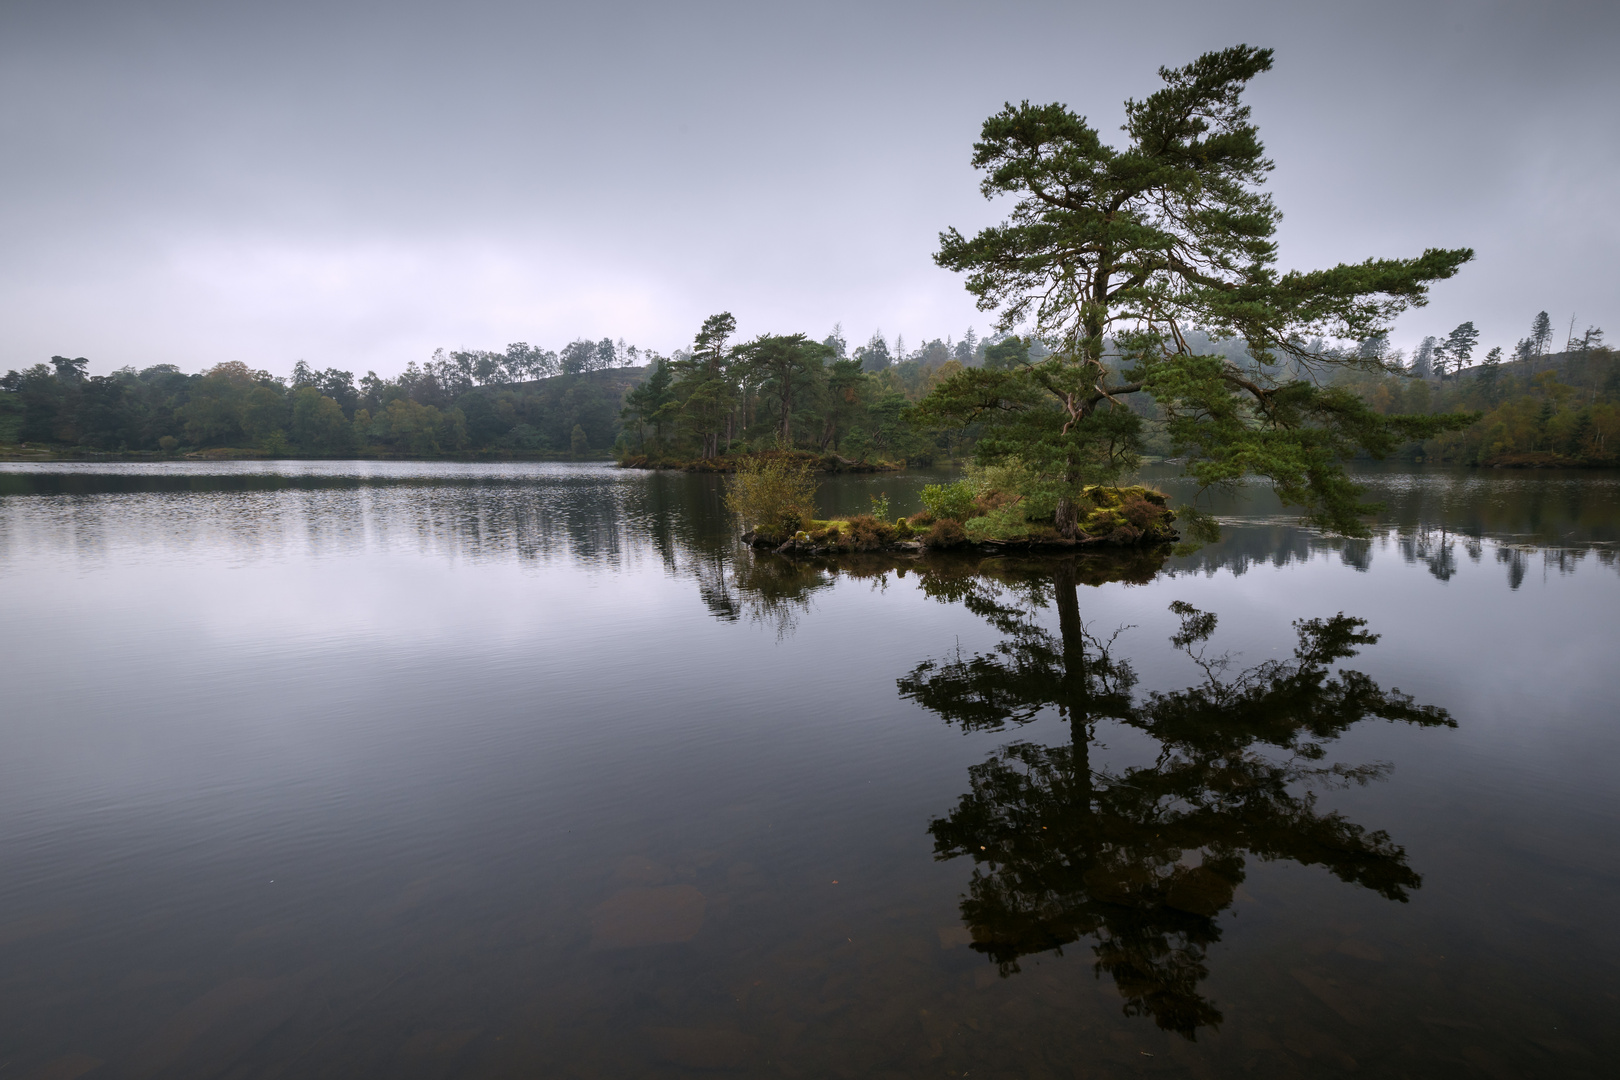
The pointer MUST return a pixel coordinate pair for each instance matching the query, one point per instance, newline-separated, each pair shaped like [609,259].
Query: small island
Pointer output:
[773,494]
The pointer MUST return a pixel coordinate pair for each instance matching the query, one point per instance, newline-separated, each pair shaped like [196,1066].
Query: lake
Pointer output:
[441,770]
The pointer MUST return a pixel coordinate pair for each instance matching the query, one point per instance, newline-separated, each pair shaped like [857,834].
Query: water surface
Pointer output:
[440,770]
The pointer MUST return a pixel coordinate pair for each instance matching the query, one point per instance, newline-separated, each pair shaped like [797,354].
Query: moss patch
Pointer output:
[1107,516]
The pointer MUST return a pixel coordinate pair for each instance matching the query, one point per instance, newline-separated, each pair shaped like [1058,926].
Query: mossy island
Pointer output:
[774,496]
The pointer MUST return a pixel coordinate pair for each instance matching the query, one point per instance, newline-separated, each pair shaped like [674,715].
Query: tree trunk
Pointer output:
[1065,519]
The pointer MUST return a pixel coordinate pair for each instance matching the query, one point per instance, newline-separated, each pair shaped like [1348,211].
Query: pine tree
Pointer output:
[967,350]
[1423,358]
[1115,253]
[705,386]
[650,402]
[1592,339]
[1491,371]
[1541,335]
[787,367]
[1375,347]
[874,355]
[835,341]
[1456,350]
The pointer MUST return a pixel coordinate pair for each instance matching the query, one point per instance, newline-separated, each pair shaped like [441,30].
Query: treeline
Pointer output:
[524,401]
[780,391]
[580,401]
[595,399]
[1537,407]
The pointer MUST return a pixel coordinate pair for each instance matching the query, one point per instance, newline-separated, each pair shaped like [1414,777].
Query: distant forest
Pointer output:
[592,400]
[1537,406]
[524,401]
[578,402]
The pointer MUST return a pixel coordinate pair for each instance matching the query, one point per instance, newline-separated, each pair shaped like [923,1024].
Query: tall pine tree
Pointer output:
[1112,254]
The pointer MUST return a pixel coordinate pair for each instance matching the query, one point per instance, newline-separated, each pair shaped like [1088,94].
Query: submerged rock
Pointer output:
[658,915]
[1200,891]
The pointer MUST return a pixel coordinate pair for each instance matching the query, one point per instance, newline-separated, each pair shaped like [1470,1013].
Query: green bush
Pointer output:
[773,495]
[949,501]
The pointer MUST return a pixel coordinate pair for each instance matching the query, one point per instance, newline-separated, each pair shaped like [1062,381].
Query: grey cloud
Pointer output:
[356,184]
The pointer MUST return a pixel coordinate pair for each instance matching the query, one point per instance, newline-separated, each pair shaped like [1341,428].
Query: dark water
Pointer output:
[416,770]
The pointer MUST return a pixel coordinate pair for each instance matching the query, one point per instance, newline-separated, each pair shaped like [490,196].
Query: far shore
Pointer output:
[30,453]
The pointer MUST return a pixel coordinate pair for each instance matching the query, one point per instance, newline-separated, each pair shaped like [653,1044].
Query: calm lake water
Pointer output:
[421,770]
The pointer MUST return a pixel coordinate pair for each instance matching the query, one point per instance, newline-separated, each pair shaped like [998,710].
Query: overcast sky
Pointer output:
[356,184]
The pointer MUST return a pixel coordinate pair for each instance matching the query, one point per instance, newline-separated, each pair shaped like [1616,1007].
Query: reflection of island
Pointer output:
[771,589]
[1143,860]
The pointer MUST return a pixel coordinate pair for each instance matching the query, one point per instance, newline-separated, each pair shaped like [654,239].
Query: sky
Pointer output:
[358,184]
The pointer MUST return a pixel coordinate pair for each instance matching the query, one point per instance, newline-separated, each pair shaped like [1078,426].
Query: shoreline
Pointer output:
[10,454]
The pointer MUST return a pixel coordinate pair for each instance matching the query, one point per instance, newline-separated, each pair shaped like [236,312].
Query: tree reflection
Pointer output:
[1143,859]
[770,590]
